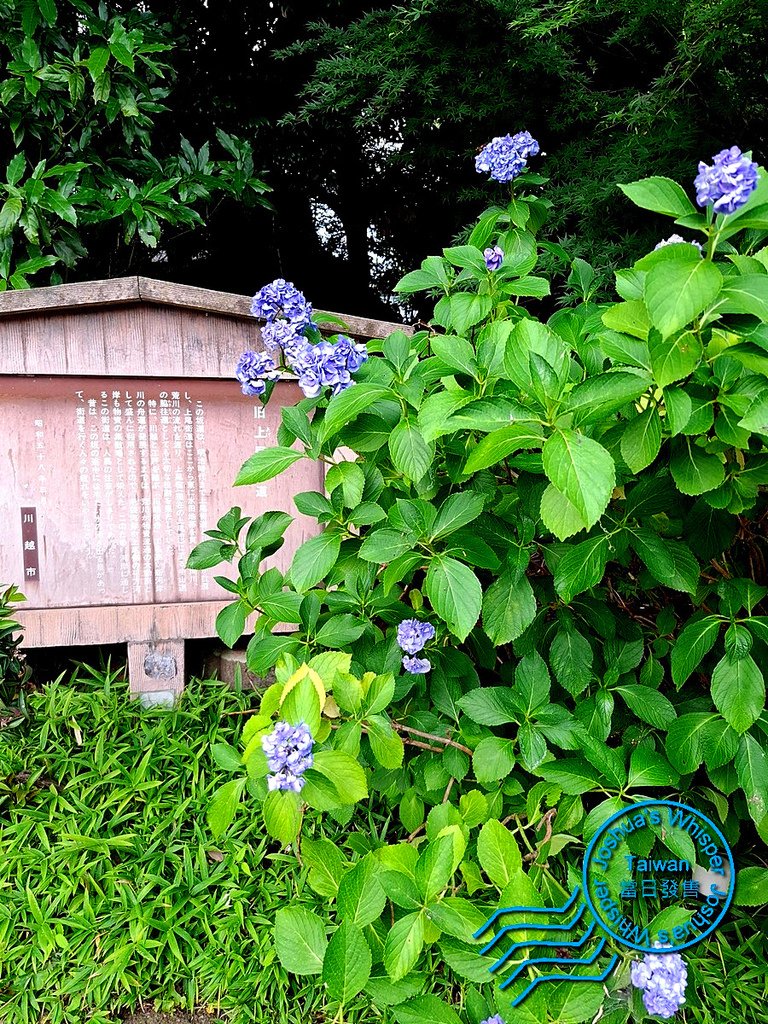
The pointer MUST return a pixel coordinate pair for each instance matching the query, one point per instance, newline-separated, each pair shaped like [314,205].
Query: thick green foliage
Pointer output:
[14,671]
[80,103]
[576,506]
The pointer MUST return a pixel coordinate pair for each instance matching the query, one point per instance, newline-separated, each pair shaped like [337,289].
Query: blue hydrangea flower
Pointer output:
[412,635]
[728,182]
[662,977]
[493,257]
[328,365]
[353,352]
[417,666]
[506,156]
[676,240]
[281,301]
[495,1019]
[280,335]
[289,754]
[253,370]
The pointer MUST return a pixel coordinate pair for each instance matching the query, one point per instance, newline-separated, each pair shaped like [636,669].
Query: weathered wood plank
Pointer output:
[70,296]
[145,290]
[70,627]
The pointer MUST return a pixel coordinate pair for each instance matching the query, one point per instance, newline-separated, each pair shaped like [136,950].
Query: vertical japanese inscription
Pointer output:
[29,543]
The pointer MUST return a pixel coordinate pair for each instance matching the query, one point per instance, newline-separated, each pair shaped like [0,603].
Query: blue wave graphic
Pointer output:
[528,910]
[529,925]
[554,960]
[575,944]
[567,977]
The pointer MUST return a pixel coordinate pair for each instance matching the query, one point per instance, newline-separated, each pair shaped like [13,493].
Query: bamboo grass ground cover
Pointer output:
[113,895]
[116,904]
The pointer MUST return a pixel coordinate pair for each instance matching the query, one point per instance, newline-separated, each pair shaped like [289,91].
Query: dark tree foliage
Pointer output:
[92,184]
[614,91]
[375,113]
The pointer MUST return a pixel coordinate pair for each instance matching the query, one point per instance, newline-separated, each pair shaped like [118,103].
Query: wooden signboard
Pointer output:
[122,429]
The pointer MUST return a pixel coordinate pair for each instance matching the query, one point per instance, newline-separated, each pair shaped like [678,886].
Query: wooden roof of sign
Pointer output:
[130,325]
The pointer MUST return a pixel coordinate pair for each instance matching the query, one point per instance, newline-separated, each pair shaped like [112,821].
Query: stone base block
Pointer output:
[223,664]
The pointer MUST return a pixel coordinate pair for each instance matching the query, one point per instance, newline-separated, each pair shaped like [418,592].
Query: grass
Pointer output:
[113,895]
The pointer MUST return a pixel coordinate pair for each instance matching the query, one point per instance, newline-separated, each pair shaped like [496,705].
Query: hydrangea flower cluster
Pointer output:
[506,156]
[289,754]
[493,257]
[280,300]
[728,182]
[327,365]
[662,978]
[317,366]
[253,370]
[412,635]
[495,1019]
[676,240]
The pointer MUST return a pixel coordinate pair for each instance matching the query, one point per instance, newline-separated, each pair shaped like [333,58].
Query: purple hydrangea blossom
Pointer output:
[281,301]
[253,370]
[493,257]
[280,335]
[413,634]
[495,1019]
[662,978]
[317,366]
[289,754]
[417,666]
[728,182]
[354,352]
[328,365]
[676,240]
[506,156]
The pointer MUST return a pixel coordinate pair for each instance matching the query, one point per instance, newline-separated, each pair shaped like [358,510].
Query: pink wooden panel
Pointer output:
[121,477]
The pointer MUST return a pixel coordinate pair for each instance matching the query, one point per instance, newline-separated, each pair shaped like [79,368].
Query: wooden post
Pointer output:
[156,671]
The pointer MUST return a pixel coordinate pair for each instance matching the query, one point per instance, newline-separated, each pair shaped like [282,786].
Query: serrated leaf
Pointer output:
[300,940]
[411,454]
[676,291]
[454,593]
[693,470]
[361,898]
[262,466]
[497,445]
[752,770]
[509,607]
[582,470]
[405,941]
[692,645]
[314,559]
[581,567]
[659,194]
[425,1010]
[498,853]
[222,808]
[738,690]
[648,704]
[641,440]
[347,962]
[282,815]
[571,659]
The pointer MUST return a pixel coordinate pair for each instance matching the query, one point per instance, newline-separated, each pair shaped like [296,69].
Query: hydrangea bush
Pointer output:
[536,593]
